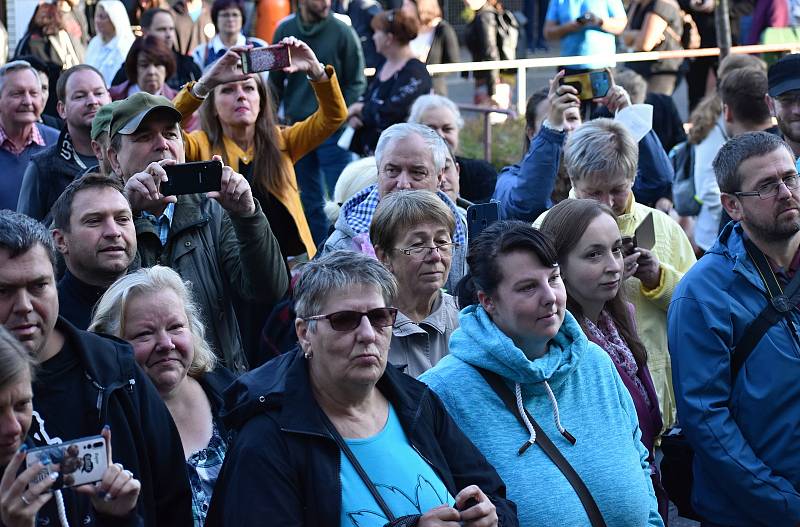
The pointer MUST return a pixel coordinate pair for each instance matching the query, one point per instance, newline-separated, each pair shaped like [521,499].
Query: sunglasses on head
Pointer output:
[379,317]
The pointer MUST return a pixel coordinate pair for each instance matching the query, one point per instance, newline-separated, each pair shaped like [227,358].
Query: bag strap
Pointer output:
[592,510]
[781,303]
[356,465]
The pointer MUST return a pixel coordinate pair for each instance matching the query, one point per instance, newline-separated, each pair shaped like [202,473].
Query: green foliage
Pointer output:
[507,139]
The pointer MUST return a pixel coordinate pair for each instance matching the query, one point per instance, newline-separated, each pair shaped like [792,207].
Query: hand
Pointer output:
[631,264]
[142,188]
[355,109]
[304,59]
[561,98]
[441,516]
[664,205]
[117,493]
[649,269]
[227,68]
[355,123]
[616,99]
[18,504]
[482,514]
[235,194]
[592,19]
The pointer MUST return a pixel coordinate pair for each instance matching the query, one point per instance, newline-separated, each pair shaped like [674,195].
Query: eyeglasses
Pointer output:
[443,249]
[390,17]
[231,14]
[379,317]
[770,189]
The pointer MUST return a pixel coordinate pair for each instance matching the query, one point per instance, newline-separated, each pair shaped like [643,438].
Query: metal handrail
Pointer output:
[487,125]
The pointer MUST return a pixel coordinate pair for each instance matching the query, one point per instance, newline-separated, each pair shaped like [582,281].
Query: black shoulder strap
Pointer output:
[592,510]
[781,303]
[356,465]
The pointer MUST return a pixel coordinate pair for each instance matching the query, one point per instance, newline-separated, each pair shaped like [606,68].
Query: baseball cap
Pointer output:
[784,75]
[129,113]
[102,120]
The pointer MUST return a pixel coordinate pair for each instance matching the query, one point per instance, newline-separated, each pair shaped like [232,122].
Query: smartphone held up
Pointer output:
[267,58]
[590,84]
[76,462]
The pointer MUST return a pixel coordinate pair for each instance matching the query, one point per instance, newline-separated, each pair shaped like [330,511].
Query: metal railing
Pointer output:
[487,124]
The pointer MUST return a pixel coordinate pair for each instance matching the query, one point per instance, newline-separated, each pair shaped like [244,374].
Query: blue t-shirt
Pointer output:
[587,41]
[405,481]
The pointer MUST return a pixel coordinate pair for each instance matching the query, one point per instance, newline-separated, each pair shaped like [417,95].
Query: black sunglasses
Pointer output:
[380,317]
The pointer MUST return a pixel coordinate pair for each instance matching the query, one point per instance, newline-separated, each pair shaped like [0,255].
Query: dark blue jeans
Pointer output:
[535,11]
[317,170]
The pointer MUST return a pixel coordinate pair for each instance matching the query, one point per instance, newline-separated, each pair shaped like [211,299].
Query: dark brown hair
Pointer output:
[565,224]
[269,173]
[61,84]
[404,26]
[156,52]
[62,208]
[744,91]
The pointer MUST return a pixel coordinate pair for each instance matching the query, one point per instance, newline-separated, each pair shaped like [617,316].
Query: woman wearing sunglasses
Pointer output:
[329,436]
[518,334]
[412,232]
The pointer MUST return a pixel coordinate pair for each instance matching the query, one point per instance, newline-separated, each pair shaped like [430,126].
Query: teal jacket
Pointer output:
[591,402]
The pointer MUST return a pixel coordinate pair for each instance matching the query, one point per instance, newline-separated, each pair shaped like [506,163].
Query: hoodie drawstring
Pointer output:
[556,417]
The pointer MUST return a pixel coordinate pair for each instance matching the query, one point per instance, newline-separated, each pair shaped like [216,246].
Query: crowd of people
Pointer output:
[329,336]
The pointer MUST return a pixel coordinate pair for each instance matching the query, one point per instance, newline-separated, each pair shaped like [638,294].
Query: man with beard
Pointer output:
[81,92]
[93,230]
[784,93]
[21,134]
[739,411]
[335,43]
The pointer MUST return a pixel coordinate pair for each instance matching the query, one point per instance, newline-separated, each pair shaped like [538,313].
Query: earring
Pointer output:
[308,354]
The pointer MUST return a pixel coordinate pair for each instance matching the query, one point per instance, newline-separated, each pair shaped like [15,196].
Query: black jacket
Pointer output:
[444,50]
[214,384]
[143,436]
[186,70]
[48,174]
[284,465]
[76,300]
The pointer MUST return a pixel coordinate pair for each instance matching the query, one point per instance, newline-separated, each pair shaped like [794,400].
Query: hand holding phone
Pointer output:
[268,58]
[75,462]
[589,85]
[192,178]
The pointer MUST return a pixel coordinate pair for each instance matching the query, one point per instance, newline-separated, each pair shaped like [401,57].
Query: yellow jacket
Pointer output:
[676,256]
[295,142]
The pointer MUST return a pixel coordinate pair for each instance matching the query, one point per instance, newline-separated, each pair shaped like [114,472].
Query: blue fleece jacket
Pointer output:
[593,406]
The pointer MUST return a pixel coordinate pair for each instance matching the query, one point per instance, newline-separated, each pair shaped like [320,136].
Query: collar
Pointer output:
[217,45]
[436,320]
[87,293]
[168,214]
[35,137]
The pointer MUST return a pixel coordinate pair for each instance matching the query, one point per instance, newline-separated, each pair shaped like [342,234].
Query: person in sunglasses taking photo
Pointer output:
[329,436]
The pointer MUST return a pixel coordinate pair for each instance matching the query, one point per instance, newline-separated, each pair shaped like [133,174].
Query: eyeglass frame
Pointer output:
[777,186]
[438,248]
[392,311]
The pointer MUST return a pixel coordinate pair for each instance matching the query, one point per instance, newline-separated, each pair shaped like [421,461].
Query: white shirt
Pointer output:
[706,228]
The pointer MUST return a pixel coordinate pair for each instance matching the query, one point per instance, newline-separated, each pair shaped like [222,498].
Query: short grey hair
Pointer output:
[426,102]
[20,233]
[109,314]
[328,276]
[738,150]
[601,146]
[403,130]
[17,65]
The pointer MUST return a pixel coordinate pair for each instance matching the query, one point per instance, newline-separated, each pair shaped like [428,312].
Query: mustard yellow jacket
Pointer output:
[294,142]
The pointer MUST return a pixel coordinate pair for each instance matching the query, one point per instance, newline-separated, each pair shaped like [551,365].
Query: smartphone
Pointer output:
[77,462]
[480,216]
[590,85]
[643,238]
[266,58]
[192,178]
[584,19]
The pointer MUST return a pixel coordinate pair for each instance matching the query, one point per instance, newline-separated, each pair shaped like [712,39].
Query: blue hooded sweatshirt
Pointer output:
[574,386]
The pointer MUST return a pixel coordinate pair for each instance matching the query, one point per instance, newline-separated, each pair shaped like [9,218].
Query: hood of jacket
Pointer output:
[307,31]
[106,359]
[479,342]
[730,245]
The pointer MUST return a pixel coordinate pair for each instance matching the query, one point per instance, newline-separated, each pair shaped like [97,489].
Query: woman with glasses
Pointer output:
[520,360]
[412,232]
[328,436]
[154,311]
[228,17]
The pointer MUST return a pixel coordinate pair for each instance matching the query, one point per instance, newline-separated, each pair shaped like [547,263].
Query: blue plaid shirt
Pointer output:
[203,467]
[360,208]
[163,222]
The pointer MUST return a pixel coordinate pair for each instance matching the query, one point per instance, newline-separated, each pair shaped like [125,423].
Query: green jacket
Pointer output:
[225,258]
[335,43]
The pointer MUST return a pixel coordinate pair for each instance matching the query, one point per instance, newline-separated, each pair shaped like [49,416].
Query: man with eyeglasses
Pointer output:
[740,411]
[784,94]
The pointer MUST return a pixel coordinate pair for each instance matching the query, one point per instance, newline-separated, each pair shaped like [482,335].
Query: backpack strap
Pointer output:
[592,510]
[781,303]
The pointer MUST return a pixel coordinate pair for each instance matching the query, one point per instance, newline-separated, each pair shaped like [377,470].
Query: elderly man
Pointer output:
[409,157]
[21,134]
[81,92]
[220,241]
[83,383]
[736,386]
[601,159]
[93,230]
[784,93]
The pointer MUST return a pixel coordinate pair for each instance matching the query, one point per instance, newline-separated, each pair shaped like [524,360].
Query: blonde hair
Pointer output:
[109,314]
[399,211]
[356,176]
